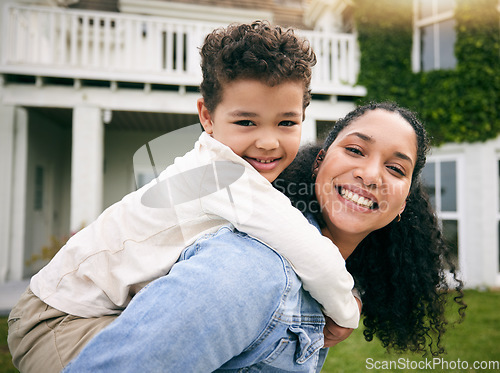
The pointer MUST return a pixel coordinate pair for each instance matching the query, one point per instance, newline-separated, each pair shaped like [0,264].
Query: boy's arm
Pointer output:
[258,209]
[333,333]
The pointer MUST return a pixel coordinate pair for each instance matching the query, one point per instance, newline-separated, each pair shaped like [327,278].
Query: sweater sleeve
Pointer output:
[253,206]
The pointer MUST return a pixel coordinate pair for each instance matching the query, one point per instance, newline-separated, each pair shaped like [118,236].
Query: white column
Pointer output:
[13,165]
[481,202]
[6,170]
[20,186]
[86,166]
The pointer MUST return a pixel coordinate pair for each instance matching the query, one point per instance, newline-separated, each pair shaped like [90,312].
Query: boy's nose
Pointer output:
[267,140]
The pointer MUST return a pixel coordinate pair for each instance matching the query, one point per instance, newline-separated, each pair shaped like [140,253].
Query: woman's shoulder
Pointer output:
[243,258]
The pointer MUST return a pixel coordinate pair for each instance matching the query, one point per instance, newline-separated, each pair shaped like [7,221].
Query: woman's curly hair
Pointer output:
[254,51]
[404,271]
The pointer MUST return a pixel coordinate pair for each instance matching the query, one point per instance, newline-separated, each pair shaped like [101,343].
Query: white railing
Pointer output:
[56,42]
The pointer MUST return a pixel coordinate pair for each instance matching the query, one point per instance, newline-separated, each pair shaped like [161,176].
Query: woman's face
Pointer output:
[365,177]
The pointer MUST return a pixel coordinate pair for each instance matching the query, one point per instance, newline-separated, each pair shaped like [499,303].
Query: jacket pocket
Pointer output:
[300,349]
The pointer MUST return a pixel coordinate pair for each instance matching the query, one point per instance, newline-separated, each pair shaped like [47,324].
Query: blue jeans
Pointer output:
[229,303]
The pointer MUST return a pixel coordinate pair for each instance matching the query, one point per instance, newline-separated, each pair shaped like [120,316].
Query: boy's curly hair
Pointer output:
[401,269]
[254,51]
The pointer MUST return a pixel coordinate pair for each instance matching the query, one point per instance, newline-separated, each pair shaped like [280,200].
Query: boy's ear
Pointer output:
[204,115]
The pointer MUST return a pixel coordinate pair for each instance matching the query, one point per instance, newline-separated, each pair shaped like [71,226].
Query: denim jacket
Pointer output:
[230,304]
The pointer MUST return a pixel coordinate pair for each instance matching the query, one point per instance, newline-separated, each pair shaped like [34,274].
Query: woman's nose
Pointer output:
[369,175]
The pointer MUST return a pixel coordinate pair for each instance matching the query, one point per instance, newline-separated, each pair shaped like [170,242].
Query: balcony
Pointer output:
[116,47]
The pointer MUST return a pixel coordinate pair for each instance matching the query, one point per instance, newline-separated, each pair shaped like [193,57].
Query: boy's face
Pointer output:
[261,124]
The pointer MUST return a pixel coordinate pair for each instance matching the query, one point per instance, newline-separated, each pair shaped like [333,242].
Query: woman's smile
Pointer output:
[358,197]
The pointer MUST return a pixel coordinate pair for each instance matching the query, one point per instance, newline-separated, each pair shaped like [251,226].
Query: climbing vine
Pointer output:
[457,105]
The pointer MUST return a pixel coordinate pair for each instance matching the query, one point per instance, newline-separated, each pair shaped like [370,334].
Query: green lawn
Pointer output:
[477,339]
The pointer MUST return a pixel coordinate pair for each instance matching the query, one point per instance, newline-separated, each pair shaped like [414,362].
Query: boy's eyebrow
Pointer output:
[291,114]
[369,139]
[241,113]
[247,114]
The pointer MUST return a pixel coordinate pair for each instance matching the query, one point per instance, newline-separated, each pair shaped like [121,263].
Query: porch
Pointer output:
[51,43]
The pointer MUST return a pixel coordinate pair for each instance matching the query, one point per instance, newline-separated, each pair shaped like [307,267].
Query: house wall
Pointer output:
[478,193]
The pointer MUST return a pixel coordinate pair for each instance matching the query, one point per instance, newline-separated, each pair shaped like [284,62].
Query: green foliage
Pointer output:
[459,105]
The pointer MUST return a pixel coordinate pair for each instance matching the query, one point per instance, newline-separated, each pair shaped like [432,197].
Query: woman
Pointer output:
[231,302]
[390,238]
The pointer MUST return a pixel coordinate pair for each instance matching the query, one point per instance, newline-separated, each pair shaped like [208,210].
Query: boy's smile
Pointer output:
[261,124]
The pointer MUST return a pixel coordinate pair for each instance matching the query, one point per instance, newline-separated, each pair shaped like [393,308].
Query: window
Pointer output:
[440,177]
[433,35]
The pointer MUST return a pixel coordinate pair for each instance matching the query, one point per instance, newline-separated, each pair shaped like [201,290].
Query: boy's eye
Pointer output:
[288,123]
[245,123]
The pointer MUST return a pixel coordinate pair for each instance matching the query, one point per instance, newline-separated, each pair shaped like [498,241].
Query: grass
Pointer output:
[476,339]
[5,358]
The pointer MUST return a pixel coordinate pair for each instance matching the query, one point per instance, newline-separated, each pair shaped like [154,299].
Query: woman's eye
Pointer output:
[354,150]
[288,123]
[245,123]
[398,170]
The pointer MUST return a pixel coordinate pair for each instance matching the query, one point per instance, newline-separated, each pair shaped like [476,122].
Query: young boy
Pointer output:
[255,90]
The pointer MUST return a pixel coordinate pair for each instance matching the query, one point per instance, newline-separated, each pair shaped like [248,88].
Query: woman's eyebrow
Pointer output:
[362,136]
[369,139]
[404,157]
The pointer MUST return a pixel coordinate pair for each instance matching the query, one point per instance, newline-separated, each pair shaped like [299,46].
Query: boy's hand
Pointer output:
[334,334]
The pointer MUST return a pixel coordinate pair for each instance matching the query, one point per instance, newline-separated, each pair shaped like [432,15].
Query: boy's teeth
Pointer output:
[263,161]
[351,196]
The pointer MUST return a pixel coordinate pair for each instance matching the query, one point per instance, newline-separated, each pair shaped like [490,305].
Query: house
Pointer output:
[85,83]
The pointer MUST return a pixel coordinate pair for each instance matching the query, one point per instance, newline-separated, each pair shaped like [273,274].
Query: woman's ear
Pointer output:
[402,208]
[205,116]
[317,162]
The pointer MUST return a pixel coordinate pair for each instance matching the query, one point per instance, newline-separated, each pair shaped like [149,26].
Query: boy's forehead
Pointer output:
[228,87]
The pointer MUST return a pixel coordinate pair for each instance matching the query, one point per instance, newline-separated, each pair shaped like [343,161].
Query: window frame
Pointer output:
[457,215]
[418,23]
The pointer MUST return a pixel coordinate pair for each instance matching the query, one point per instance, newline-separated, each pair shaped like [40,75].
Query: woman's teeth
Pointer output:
[353,197]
